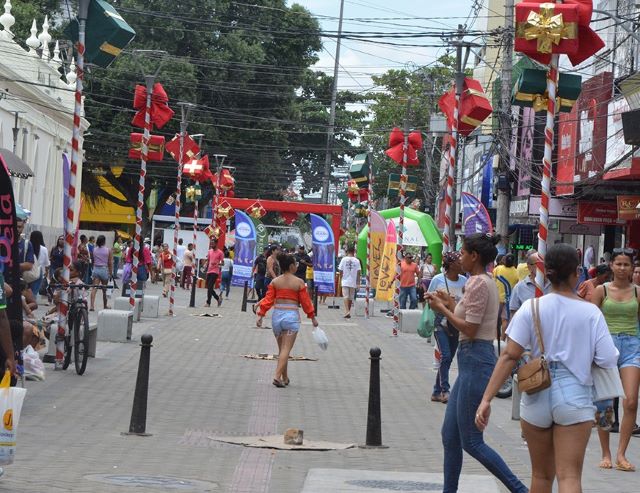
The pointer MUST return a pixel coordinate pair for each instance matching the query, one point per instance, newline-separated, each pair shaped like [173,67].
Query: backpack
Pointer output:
[261,265]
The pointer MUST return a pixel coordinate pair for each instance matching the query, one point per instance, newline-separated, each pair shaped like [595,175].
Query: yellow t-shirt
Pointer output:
[309,273]
[523,271]
[510,274]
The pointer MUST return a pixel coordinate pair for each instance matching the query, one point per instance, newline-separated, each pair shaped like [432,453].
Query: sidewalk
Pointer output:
[70,429]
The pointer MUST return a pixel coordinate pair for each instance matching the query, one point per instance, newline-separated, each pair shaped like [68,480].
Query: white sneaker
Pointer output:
[1,472]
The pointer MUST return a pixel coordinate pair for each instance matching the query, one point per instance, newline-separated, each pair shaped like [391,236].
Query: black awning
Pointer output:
[17,167]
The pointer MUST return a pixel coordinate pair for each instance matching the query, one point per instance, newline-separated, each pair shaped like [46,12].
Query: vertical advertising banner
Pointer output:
[567,146]
[245,250]
[475,218]
[525,162]
[387,275]
[323,255]
[486,196]
[9,262]
[378,232]
[262,238]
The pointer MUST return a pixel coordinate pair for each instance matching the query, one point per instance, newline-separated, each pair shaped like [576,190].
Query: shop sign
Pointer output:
[627,207]
[573,228]
[603,213]
[557,207]
[519,208]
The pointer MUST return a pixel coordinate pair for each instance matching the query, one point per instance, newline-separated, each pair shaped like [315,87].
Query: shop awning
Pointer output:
[17,167]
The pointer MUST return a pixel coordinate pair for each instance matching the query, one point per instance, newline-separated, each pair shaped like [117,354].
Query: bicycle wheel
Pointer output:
[68,347]
[81,340]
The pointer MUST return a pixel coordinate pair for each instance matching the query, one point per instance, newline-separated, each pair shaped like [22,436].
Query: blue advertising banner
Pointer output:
[245,250]
[323,255]
[486,197]
[475,218]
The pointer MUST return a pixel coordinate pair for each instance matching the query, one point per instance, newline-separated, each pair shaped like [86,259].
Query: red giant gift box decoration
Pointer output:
[474,106]
[156,147]
[256,210]
[544,28]
[160,111]
[189,151]
[226,181]
[197,169]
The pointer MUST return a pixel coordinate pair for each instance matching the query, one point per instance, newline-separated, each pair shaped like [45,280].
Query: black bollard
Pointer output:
[315,300]
[138,423]
[194,282]
[245,295]
[374,418]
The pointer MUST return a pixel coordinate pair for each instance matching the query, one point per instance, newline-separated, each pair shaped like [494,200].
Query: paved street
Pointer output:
[200,387]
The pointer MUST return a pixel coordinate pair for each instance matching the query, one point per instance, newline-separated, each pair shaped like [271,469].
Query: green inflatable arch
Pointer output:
[427,226]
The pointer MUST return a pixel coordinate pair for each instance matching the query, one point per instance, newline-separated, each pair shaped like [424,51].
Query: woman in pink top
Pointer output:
[476,317]
[215,258]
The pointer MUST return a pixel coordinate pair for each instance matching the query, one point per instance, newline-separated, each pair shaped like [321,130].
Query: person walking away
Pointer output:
[260,271]
[587,288]
[167,263]
[214,261]
[304,261]
[188,260]
[409,270]
[506,277]
[476,317]
[526,289]
[180,249]
[84,258]
[116,255]
[452,282]
[618,301]
[56,260]
[589,259]
[91,244]
[350,272]
[273,269]
[41,256]
[309,279]
[102,269]
[226,271]
[285,294]
[556,421]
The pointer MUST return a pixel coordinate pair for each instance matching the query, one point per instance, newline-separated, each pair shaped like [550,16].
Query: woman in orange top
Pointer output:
[285,293]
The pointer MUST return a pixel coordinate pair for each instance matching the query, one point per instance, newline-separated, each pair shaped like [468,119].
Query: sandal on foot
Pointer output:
[278,383]
[286,382]
[605,464]
[625,466]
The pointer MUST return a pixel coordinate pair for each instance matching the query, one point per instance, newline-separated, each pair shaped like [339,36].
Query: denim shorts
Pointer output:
[629,347]
[101,273]
[285,320]
[566,402]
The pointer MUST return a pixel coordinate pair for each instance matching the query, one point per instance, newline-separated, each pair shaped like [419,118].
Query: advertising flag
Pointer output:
[9,261]
[245,250]
[376,247]
[387,274]
[262,238]
[323,255]
[475,218]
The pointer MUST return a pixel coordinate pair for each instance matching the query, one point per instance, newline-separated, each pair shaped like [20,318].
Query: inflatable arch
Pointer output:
[420,230]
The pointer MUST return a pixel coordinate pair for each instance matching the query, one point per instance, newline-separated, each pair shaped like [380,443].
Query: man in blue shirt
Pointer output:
[526,289]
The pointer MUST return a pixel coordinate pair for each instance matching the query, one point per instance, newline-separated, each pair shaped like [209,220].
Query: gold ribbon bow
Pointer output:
[190,193]
[539,102]
[548,29]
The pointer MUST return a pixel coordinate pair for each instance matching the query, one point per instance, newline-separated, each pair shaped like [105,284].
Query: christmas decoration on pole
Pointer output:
[189,149]
[256,210]
[544,30]
[156,147]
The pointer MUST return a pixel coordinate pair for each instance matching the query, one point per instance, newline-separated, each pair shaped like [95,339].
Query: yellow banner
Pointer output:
[387,273]
[375,253]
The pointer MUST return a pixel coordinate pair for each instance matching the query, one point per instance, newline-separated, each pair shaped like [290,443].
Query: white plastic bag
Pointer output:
[11,399]
[33,366]
[321,338]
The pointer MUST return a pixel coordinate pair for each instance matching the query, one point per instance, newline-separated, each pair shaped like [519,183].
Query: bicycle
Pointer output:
[78,327]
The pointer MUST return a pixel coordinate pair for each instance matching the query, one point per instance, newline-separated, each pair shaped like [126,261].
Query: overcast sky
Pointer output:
[358,58]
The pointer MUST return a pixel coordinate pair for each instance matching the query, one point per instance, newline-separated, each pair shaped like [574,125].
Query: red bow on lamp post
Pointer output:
[544,28]
[396,147]
[160,111]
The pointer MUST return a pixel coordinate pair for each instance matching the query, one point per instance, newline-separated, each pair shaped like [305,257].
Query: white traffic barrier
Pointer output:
[151,306]
[115,325]
[122,303]
[409,320]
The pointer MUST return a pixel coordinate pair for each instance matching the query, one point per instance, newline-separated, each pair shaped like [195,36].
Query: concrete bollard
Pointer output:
[121,303]
[374,418]
[138,422]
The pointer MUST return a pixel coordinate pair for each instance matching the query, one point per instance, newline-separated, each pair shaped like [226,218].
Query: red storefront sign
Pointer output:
[627,207]
[567,146]
[604,213]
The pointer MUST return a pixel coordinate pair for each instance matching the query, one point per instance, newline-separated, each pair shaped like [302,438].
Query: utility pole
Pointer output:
[504,189]
[326,177]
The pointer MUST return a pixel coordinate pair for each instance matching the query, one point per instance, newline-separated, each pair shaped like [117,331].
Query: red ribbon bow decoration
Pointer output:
[396,147]
[256,210]
[534,23]
[189,148]
[160,111]
[198,169]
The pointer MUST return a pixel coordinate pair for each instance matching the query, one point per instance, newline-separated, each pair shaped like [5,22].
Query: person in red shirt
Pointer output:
[409,271]
[166,263]
[215,258]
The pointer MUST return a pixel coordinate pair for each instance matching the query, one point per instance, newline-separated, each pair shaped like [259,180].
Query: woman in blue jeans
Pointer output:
[452,282]
[476,318]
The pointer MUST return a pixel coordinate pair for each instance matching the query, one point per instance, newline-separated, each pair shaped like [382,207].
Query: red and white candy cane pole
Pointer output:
[369,206]
[69,224]
[403,199]
[552,84]
[144,155]
[176,226]
[448,201]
